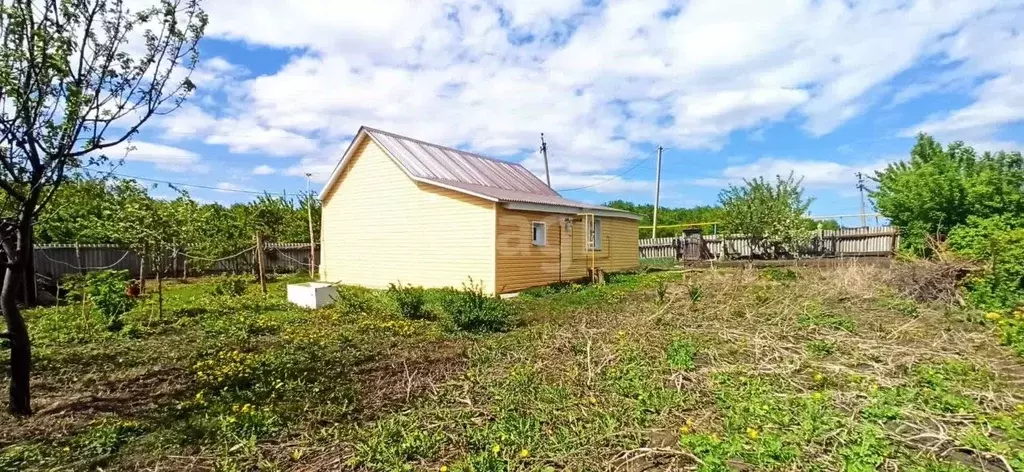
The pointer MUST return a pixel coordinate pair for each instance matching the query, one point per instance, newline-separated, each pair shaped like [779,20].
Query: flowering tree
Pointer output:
[772,214]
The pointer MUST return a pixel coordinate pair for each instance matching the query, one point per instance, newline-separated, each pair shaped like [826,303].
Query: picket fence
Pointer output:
[56,260]
[846,242]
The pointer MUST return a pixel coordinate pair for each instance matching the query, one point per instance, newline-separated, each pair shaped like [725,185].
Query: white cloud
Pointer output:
[163,157]
[991,49]
[264,170]
[240,135]
[815,173]
[600,79]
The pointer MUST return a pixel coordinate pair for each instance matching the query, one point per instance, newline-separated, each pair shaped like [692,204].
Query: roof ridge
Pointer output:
[428,143]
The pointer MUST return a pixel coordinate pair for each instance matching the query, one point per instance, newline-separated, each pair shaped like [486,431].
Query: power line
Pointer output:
[185,184]
[609,179]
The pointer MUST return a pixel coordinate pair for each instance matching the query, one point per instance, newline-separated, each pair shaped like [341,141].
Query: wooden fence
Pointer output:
[56,260]
[846,242]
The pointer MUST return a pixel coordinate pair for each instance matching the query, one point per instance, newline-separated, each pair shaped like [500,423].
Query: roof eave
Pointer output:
[570,210]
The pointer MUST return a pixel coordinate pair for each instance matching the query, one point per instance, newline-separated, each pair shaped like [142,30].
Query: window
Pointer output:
[594,238]
[540,233]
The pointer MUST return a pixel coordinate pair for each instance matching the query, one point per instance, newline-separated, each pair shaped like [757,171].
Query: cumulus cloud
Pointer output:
[264,170]
[163,157]
[601,80]
[999,99]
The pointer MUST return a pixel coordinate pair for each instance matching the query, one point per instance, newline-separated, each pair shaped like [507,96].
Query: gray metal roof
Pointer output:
[466,172]
[434,162]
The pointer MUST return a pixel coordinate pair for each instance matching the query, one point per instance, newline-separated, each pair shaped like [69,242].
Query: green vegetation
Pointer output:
[106,291]
[974,202]
[772,214]
[939,189]
[825,374]
[471,310]
[230,285]
[671,217]
[411,300]
[119,211]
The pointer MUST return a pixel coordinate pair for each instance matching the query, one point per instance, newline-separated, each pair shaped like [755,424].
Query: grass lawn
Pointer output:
[813,369]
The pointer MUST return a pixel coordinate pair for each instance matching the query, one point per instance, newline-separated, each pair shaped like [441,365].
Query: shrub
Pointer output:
[230,285]
[106,291]
[356,299]
[471,310]
[411,300]
[998,244]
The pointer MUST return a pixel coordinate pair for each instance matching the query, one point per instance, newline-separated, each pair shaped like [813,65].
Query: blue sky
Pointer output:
[731,89]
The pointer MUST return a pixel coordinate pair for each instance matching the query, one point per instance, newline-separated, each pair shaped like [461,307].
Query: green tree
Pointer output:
[669,218]
[772,214]
[938,189]
[70,87]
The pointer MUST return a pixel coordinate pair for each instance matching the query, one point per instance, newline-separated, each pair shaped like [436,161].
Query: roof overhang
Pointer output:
[569,210]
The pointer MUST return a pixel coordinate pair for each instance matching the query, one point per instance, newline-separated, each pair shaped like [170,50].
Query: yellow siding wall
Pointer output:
[379,227]
[521,265]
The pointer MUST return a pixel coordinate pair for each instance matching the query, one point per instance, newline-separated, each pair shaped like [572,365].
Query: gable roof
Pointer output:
[465,172]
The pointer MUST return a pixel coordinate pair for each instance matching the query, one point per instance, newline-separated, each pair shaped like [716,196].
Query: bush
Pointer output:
[998,244]
[230,285]
[107,292]
[471,310]
[411,300]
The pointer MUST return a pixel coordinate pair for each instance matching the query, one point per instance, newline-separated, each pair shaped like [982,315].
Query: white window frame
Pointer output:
[596,232]
[543,241]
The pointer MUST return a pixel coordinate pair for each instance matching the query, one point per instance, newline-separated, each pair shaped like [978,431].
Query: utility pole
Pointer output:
[544,151]
[657,195]
[863,208]
[312,239]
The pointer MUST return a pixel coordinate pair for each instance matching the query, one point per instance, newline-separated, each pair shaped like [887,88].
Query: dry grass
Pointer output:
[823,369]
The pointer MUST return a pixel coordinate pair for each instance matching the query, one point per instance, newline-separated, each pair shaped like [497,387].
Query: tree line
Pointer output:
[118,211]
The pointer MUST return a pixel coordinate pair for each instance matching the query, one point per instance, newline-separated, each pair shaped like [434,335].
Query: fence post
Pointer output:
[78,259]
[259,263]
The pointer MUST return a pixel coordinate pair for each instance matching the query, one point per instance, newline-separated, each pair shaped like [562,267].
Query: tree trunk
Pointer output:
[14,239]
[28,264]
[21,350]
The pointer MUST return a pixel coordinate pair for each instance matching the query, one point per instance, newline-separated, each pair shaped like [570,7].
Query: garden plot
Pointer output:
[711,370]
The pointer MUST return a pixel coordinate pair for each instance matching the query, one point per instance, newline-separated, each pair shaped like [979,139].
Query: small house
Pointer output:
[398,209]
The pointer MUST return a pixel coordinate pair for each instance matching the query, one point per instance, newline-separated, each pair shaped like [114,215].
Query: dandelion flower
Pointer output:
[444,468]
[524,453]
[684,429]
[993,316]
[818,377]
[495,448]
[752,433]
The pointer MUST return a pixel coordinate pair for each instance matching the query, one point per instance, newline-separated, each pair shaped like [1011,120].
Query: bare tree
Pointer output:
[76,77]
